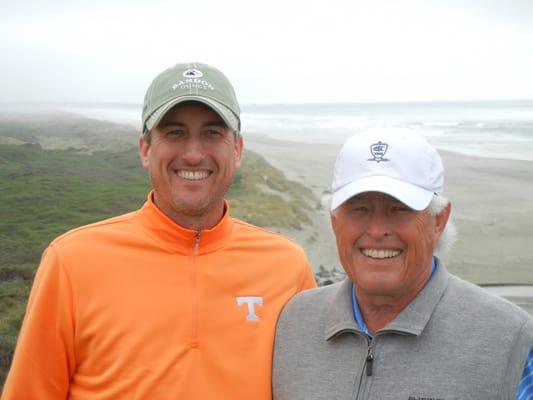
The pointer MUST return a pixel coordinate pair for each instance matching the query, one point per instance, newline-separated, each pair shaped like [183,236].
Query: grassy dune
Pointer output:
[60,172]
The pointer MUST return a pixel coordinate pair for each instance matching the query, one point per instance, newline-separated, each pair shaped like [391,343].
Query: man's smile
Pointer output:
[193,175]
[380,253]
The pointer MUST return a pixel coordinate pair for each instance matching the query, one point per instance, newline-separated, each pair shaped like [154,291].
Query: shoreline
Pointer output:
[491,208]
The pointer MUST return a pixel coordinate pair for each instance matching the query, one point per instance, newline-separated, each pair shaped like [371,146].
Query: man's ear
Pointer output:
[333,219]
[442,219]
[144,151]
[239,145]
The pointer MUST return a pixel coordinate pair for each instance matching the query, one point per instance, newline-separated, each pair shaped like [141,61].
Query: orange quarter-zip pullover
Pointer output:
[137,307]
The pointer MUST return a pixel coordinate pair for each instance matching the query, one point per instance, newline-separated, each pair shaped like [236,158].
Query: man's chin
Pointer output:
[192,209]
[194,206]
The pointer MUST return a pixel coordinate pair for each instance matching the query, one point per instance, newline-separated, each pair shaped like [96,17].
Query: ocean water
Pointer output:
[500,129]
[486,129]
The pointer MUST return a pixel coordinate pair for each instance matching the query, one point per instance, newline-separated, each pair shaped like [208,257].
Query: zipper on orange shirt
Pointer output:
[194,291]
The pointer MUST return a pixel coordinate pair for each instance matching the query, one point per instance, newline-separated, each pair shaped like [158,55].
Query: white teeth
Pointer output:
[193,175]
[374,253]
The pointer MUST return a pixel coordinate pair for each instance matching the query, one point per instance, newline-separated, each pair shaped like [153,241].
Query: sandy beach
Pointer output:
[491,200]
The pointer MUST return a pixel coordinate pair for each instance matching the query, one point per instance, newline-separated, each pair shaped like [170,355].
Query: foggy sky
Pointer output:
[280,51]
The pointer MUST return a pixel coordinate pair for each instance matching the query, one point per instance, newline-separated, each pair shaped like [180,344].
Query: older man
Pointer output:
[176,300]
[400,326]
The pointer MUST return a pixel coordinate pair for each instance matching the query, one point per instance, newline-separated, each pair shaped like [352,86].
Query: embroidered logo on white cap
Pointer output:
[378,151]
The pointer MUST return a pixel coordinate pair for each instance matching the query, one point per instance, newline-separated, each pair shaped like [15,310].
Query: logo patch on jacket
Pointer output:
[250,301]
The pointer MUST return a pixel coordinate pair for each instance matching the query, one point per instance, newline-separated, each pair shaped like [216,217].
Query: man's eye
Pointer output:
[214,132]
[401,209]
[175,132]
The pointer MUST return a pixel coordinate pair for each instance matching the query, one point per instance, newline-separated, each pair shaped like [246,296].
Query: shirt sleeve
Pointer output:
[525,387]
[308,280]
[44,359]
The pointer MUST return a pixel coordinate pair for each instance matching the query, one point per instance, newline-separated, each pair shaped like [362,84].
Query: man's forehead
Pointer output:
[172,116]
[374,196]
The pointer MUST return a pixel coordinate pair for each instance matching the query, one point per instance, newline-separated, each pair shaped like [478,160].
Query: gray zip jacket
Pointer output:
[453,341]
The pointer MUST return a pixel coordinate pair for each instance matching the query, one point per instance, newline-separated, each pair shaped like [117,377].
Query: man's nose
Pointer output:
[379,225]
[193,149]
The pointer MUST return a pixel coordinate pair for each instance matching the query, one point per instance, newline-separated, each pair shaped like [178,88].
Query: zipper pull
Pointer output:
[369,362]
[197,241]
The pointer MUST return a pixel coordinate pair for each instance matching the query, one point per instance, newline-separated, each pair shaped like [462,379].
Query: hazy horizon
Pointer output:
[348,51]
[330,103]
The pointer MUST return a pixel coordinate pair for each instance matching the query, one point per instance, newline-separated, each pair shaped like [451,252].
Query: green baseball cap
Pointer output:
[190,82]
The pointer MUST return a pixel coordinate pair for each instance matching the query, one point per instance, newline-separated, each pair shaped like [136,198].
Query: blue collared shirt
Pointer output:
[525,387]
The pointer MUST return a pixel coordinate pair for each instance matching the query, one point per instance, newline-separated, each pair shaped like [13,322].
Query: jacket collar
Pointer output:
[179,239]
[412,320]
[339,317]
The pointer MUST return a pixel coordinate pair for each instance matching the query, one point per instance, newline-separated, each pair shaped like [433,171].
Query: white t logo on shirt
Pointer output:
[250,301]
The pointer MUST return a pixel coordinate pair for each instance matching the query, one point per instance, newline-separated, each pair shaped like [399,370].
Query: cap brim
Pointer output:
[225,113]
[412,196]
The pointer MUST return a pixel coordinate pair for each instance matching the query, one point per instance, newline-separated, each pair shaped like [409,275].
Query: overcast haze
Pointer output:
[276,51]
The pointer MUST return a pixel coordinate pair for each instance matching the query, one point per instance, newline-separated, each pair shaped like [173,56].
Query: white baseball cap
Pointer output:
[394,161]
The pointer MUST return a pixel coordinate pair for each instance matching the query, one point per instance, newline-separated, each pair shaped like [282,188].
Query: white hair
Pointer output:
[449,234]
